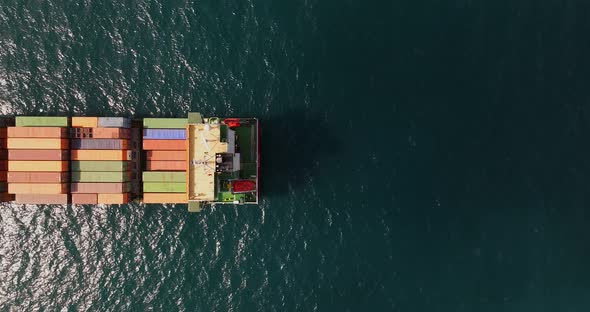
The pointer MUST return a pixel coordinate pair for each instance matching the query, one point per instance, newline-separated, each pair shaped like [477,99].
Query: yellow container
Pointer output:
[35,143]
[161,198]
[113,198]
[85,122]
[37,188]
[38,165]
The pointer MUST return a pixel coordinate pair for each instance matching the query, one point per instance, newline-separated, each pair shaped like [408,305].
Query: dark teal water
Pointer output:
[417,155]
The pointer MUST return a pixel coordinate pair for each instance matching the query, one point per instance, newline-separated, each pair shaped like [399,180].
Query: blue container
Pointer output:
[114,122]
[164,134]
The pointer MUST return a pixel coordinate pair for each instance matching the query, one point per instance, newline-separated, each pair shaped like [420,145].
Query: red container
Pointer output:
[38,154]
[42,198]
[37,132]
[3,175]
[104,188]
[166,155]
[3,133]
[3,165]
[5,197]
[90,199]
[164,145]
[166,165]
[37,177]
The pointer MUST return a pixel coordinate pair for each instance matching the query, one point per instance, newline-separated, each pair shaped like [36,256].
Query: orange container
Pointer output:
[166,155]
[38,154]
[164,145]
[110,133]
[34,143]
[37,177]
[37,188]
[37,165]
[165,198]
[84,122]
[42,199]
[169,165]
[100,155]
[91,199]
[37,132]
[113,198]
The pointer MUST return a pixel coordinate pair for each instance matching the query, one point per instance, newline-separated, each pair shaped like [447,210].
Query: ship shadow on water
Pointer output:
[293,147]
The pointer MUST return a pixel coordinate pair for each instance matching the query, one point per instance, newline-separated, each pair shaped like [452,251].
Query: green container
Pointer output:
[164,187]
[164,176]
[90,176]
[98,165]
[37,121]
[165,123]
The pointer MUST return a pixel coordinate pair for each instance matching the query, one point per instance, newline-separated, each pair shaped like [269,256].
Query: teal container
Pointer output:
[165,123]
[90,176]
[164,176]
[164,187]
[41,121]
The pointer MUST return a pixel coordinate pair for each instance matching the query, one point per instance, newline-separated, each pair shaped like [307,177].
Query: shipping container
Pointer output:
[165,198]
[168,165]
[37,177]
[3,187]
[39,121]
[3,143]
[165,123]
[164,134]
[164,187]
[113,199]
[38,154]
[100,155]
[32,143]
[99,144]
[99,165]
[99,133]
[164,145]
[88,199]
[3,175]
[3,165]
[90,176]
[48,199]
[84,122]
[37,188]
[114,122]
[3,133]
[5,197]
[166,155]
[164,176]
[101,188]
[37,132]
[3,154]
[37,165]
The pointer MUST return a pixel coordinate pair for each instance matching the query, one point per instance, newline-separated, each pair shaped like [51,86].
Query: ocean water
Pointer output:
[416,155]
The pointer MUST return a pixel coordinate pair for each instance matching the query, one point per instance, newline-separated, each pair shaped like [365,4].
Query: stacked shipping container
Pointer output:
[4,195]
[164,140]
[100,154]
[38,160]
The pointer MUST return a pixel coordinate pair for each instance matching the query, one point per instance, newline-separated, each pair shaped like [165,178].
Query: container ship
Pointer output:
[115,160]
